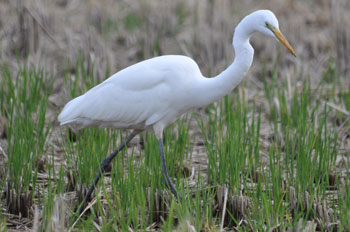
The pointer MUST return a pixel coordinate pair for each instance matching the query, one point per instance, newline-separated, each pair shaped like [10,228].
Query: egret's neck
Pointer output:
[222,84]
[233,75]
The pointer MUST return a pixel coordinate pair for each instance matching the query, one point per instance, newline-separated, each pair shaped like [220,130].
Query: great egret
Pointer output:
[153,93]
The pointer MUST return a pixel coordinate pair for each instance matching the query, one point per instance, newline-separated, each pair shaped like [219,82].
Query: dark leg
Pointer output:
[165,171]
[103,167]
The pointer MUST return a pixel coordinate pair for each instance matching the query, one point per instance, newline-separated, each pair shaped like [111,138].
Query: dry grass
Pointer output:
[110,35]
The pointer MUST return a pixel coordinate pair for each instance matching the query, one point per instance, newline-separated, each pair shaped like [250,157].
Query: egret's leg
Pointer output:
[103,167]
[165,171]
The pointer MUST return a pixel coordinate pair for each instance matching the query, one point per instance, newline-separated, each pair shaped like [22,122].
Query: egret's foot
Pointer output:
[171,185]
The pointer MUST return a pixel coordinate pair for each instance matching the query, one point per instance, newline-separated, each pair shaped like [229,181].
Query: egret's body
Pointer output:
[152,94]
[140,96]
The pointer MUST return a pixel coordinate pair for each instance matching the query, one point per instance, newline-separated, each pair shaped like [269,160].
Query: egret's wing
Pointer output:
[141,94]
[130,97]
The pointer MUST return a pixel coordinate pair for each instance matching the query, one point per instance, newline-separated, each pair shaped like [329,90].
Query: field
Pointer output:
[274,155]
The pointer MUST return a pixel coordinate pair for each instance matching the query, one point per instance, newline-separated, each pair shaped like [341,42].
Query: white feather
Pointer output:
[155,92]
[135,97]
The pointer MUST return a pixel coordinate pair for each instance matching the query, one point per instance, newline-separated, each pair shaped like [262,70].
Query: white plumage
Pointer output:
[139,96]
[153,93]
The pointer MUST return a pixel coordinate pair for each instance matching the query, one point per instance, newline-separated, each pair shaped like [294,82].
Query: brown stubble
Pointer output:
[57,33]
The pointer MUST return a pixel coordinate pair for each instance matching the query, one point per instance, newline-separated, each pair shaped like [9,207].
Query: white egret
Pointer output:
[150,95]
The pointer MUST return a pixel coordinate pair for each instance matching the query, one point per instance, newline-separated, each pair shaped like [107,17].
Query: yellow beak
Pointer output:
[283,40]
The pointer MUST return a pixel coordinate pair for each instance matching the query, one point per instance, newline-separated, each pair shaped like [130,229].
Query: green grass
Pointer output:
[23,102]
[283,180]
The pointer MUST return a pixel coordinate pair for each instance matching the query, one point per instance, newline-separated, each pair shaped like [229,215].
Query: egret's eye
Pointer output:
[269,26]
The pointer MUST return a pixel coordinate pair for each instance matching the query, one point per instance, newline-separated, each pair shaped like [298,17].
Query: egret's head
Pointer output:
[266,22]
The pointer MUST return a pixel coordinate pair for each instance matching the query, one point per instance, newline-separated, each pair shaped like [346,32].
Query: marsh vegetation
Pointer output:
[273,155]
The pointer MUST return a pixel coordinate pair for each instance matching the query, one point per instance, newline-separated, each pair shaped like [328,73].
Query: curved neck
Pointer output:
[222,84]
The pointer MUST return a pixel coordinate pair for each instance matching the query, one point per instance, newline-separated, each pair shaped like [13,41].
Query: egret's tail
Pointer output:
[70,112]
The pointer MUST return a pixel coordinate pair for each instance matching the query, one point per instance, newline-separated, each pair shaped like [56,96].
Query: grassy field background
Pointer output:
[271,156]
